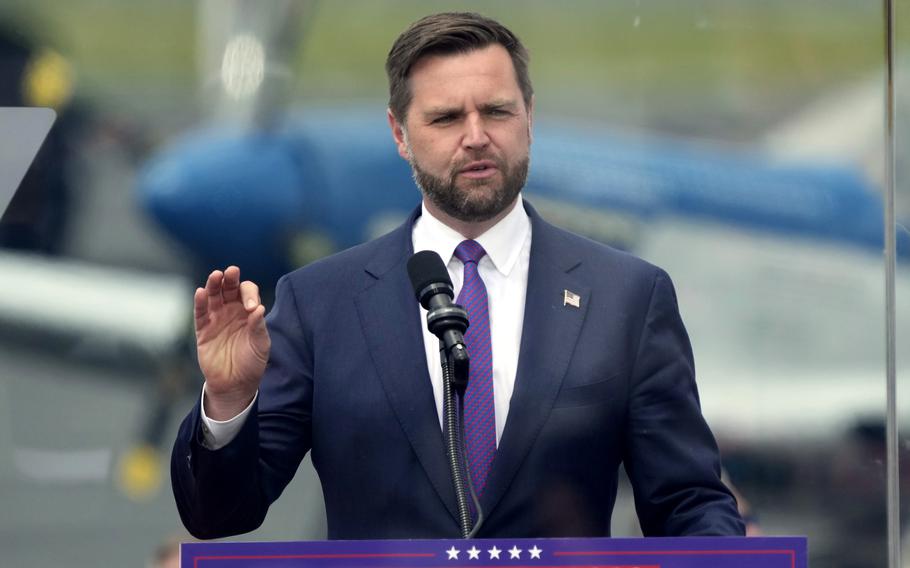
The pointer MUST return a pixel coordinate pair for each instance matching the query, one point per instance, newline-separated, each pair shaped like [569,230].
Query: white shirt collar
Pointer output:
[503,241]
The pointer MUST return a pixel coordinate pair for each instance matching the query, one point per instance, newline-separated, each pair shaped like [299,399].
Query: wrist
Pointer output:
[225,405]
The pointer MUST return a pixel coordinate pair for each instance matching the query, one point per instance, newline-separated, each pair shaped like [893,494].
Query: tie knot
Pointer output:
[469,251]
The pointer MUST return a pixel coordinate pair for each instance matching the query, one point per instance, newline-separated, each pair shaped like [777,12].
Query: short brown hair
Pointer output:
[447,34]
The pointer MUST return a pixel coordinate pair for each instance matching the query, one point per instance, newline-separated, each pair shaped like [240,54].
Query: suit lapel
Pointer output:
[550,332]
[390,319]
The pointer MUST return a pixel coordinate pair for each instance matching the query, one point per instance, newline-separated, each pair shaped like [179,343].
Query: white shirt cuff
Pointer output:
[217,434]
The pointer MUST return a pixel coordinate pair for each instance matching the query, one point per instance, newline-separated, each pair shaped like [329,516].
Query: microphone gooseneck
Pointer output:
[448,321]
[445,319]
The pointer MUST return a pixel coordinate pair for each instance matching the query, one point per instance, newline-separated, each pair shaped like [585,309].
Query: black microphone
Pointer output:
[446,320]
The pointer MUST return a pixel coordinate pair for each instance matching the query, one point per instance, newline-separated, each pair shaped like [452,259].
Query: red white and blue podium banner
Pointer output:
[692,552]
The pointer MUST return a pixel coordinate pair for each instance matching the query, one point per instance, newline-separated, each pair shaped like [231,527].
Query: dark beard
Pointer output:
[458,204]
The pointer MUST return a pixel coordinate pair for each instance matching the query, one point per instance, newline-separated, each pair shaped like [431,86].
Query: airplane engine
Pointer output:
[229,199]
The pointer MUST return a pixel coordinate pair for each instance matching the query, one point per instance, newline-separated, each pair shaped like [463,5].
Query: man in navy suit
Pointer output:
[591,366]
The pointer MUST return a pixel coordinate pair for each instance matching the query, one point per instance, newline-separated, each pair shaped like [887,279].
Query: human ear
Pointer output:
[398,134]
[531,120]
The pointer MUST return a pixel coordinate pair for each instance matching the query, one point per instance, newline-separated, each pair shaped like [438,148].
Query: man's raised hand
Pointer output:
[232,341]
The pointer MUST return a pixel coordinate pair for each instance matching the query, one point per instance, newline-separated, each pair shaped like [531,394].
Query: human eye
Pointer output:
[443,119]
[498,112]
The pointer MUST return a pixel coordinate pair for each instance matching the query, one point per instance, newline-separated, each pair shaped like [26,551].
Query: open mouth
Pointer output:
[480,168]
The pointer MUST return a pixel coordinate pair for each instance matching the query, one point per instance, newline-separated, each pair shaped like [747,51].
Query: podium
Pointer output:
[690,552]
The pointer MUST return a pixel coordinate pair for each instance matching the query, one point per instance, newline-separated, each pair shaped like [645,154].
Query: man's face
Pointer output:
[467,133]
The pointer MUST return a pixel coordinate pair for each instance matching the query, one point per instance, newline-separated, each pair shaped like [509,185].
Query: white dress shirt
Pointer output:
[504,271]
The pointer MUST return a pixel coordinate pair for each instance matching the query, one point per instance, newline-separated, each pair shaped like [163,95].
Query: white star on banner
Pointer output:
[494,553]
[535,552]
[453,553]
[473,553]
[514,552]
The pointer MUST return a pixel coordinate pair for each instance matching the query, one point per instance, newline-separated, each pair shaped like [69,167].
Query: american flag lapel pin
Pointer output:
[570,298]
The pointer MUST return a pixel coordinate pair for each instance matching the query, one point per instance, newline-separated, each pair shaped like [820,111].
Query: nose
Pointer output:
[475,135]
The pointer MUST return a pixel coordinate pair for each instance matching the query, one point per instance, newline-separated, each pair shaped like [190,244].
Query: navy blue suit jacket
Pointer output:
[609,382]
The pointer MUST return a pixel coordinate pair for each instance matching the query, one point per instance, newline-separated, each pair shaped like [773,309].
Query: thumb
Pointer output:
[259,333]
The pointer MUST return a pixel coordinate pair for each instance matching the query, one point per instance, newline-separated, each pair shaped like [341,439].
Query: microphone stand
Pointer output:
[454,384]
[448,321]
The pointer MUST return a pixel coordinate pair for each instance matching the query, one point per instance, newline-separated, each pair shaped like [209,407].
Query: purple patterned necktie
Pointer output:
[479,412]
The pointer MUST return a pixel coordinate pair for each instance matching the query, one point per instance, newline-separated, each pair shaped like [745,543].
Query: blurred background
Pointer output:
[737,144]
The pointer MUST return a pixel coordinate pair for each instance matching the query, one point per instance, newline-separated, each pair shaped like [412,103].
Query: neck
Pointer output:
[468,229]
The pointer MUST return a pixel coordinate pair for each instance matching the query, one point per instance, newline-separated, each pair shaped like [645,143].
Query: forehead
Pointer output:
[482,73]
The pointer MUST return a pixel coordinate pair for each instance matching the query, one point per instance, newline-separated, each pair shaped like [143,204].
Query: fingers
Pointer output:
[205,299]
[213,289]
[223,287]
[200,305]
[249,295]
[230,286]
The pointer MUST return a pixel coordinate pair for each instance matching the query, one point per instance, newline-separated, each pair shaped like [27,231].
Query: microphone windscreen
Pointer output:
[425,268]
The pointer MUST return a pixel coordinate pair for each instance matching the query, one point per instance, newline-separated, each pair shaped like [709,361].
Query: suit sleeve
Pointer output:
[671,456]
[228,491]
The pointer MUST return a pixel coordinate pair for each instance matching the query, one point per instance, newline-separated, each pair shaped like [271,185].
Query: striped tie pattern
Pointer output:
[479,412]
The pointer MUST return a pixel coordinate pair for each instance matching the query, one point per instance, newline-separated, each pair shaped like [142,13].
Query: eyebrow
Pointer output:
[441,111]
[500,105]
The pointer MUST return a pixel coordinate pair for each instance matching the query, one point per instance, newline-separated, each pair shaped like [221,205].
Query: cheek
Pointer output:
[515,139]
[433,153]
